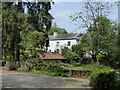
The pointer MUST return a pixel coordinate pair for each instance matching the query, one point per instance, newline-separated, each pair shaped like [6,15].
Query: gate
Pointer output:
[79,74]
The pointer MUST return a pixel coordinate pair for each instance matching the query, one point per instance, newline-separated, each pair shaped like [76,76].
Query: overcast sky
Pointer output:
[62,10]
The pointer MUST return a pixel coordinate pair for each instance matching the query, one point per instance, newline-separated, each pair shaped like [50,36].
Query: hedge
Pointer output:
[103,80]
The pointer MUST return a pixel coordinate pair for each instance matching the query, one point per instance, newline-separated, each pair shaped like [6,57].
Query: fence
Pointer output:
[80,74]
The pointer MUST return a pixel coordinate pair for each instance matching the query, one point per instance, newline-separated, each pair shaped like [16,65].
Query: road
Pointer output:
[12,79]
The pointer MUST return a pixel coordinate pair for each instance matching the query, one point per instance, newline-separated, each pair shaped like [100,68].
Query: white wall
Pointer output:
[62,43]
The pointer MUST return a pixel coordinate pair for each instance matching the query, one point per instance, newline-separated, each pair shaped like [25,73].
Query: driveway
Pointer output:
[13,79]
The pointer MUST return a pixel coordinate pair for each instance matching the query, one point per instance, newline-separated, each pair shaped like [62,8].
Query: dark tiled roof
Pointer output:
[50,55]
[64,36]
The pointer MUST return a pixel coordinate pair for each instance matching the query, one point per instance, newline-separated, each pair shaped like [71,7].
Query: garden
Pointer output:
[97,51]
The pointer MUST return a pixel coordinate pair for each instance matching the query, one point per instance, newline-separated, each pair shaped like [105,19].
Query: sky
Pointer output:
[62,10]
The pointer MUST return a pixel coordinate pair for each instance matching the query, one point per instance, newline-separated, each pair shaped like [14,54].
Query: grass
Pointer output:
[93,68]
[65,64]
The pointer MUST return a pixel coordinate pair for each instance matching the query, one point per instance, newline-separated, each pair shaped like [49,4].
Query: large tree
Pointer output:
[40,18]
[94,18]
[12,20]
[16,22]
[98,39]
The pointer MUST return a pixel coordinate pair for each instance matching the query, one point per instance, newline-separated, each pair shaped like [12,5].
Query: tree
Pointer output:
[113,49]
[94,18]
[11,31]
[40,18]
[98,39]
[69,55]
[78,50]
[55,28]
[36,39]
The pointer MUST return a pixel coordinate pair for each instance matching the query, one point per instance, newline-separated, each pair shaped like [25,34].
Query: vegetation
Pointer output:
[101,38]
[55,28]
[38,66]
[71,56]
[23,26]
[93,68]
[104,80]
[29,32]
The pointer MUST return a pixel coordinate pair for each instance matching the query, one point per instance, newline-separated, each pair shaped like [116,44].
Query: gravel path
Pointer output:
[13,79]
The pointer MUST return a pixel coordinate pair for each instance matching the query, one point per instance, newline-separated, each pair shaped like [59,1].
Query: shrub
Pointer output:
[37,65]
[117,85]
[22,69]
[13,67]
[65,75]
[34,63]
[69,55]
[56,70]
[103,80]
[86,60]
[55,67]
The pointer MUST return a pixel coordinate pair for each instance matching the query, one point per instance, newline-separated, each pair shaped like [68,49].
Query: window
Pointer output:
[57,44]
[69,43]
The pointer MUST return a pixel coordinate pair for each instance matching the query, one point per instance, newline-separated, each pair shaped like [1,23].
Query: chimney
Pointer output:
[55,33]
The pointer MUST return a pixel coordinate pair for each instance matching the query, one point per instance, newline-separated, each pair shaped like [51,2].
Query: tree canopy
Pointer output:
[20,28]
[55,28]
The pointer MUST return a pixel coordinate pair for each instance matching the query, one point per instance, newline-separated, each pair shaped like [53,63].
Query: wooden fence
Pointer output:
[79,74]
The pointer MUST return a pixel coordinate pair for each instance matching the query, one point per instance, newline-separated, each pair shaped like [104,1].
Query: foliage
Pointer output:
[37,66]
[55,28]
[71,56]
[36,39]
[39,17]
[117,85]
[34,63]
[22,69]
[11,31]
[101,32]
[13,67]
[65,64]
[103,80]
[36,22]
[78,50]
[86,60]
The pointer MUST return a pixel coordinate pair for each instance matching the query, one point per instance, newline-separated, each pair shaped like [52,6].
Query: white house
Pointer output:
[57,41]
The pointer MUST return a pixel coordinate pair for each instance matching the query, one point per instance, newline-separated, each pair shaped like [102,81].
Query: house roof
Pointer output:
[64,36]
[50,55]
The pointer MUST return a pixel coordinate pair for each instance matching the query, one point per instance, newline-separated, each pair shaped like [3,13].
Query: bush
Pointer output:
[56,70]
[65,75]
[22,69]
[73,62]
[86,60]
[13,67]
[34,63]
[103,80]
[69,55]
[117,85]
[54,67]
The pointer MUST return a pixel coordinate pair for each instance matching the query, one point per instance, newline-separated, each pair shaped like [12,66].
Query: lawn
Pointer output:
[93,68]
